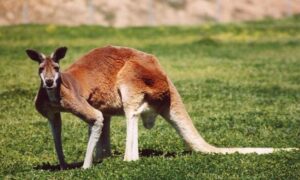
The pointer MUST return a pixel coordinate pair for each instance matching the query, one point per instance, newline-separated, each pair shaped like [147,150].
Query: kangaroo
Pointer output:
[113,81]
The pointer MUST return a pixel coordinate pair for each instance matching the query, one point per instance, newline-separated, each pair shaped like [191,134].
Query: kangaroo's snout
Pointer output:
[49,83]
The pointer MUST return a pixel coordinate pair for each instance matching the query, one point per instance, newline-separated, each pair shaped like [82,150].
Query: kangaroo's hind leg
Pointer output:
[134,105]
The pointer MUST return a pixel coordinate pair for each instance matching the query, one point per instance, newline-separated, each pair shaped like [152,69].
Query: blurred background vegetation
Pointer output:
[142,12]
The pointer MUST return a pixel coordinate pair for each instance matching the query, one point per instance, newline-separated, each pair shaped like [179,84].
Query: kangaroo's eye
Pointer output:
[56,68]
[41,69]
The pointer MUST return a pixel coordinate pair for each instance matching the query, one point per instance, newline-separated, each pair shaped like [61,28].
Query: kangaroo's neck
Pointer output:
[54,93]
[69,82]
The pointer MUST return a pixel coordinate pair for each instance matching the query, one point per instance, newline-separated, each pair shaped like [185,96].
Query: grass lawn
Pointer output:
[240,83]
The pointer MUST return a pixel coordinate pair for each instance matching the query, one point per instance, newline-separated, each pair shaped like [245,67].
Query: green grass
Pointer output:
[240,84]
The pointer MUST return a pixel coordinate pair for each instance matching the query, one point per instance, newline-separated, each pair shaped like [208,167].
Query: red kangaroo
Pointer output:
[112,81]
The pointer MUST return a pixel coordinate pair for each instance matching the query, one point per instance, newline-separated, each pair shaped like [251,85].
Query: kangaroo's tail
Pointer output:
[177,115]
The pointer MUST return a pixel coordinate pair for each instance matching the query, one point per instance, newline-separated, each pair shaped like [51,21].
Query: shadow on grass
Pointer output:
[52,168]
[143,153]
[155,153]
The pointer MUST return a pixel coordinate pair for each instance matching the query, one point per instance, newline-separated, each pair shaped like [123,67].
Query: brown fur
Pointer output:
[120,81]
[95,78]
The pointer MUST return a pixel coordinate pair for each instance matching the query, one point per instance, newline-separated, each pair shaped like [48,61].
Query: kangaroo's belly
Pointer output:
[108,102]
[112,111]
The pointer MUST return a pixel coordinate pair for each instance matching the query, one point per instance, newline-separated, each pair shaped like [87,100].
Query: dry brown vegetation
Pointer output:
[141,12]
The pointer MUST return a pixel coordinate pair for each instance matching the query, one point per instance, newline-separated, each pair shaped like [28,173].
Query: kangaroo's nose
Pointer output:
[49,82]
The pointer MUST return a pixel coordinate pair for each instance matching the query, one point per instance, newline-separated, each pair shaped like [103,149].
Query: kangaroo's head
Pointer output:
[48,66]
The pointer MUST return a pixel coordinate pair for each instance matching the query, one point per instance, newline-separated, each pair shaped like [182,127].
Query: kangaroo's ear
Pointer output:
[59,54]
[34,55]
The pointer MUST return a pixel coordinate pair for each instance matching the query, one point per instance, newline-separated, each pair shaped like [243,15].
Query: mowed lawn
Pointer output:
[240,84]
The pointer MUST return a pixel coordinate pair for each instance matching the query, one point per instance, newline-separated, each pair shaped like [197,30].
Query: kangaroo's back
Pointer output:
[100,65]
[101,71]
